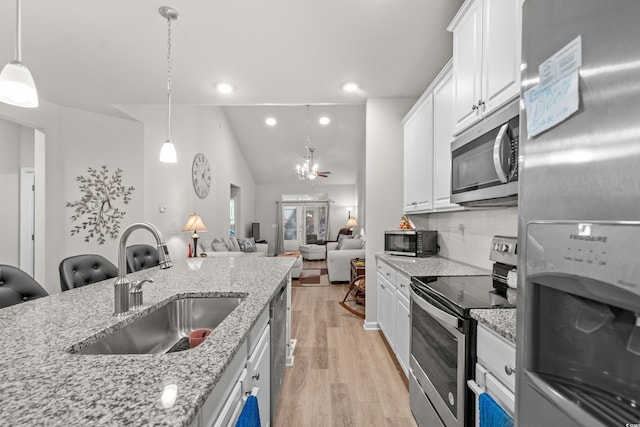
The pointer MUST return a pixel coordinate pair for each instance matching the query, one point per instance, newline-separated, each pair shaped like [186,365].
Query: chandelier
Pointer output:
[308,170]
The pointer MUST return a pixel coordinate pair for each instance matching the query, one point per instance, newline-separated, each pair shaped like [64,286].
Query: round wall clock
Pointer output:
[201,175]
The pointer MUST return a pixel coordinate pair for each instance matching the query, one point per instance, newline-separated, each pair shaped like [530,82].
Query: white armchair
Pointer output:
[339,260]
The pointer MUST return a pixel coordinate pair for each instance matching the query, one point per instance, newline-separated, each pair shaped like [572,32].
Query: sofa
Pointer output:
[232,246]
[339,256]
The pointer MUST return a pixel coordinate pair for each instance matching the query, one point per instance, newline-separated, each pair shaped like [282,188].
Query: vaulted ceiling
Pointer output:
[280,55]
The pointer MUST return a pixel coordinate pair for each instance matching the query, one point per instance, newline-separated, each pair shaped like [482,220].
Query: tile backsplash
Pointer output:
[466,235]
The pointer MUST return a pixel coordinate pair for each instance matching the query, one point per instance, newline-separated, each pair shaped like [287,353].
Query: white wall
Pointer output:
[74,140]
[266,208]
[466,235]
[93,140]
[193,130]
[77,139]
[361,198]
[10,162]
[384,181]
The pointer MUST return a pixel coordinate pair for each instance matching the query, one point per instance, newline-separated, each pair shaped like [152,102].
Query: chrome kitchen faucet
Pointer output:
[122,286]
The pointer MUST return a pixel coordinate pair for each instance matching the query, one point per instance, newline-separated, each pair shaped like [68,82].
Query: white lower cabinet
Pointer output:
[393,311]
[386,309]
[258,369]
[403,332]
[248,373]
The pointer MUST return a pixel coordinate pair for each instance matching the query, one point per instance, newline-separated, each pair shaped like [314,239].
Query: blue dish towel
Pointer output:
[250,415]
[492,414]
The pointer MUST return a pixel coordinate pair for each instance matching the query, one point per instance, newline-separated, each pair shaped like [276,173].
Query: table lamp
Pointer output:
[195,224]
[351,222]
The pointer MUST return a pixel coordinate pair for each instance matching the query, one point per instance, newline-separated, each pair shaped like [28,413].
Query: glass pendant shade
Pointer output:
[168,152]
[16,83]
[17,86]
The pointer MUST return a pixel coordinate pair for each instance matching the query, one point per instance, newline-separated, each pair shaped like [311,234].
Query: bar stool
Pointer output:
[141,257]
[16,286]
[80,270]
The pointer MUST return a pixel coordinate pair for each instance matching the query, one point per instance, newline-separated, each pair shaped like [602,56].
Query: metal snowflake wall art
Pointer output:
[100,217]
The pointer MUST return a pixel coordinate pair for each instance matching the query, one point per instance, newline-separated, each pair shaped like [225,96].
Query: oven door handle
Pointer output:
[434,312]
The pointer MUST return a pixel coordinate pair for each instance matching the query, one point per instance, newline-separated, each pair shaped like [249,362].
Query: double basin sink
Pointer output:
[166,328]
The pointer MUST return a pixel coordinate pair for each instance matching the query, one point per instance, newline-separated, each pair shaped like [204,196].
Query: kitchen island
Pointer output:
[43,383]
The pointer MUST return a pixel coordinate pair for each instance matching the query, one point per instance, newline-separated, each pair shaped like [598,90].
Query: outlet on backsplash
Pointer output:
[466,235]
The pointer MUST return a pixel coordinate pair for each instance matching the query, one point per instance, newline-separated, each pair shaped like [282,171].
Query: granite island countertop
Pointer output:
[43,384]
[432,266]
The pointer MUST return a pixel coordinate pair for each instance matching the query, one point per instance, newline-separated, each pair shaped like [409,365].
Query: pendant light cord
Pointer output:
[169,79]
[19,31]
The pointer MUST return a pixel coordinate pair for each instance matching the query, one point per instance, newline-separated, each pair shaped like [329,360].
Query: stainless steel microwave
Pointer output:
[414,243]
[484,161]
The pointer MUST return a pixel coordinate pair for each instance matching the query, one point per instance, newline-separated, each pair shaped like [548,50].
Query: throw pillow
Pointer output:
[219,247]
[247,244]
[235,245]
[205,245]
[228,243]
[341,239]
[351,244]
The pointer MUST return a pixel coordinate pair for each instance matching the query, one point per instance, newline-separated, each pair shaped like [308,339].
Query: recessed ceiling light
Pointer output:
[324,120]
[224,88]
[270,121]
[350,87]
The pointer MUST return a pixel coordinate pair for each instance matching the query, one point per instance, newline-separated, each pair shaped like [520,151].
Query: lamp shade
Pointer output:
[168,152]
[195,224]
[17,86]
[351,222]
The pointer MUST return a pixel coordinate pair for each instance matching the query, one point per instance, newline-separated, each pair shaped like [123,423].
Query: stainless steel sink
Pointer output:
[165,329]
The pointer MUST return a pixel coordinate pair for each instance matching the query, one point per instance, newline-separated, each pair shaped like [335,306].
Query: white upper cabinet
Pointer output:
[442,138]
[486,58]
[428,133]
[418,156]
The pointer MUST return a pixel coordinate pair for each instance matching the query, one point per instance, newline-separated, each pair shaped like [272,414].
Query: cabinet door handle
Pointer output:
[382,286]
[509,370]
[256,376]
[480,103]
[474,107]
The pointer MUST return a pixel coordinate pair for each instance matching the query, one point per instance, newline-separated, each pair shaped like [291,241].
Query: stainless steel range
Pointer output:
[443,338]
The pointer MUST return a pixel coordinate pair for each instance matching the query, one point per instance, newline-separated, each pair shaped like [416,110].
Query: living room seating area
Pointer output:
[340,254]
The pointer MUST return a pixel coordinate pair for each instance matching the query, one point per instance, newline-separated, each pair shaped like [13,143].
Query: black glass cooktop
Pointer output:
[460,293]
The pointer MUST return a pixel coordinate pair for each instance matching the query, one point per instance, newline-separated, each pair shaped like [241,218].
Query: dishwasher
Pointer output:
[278,320]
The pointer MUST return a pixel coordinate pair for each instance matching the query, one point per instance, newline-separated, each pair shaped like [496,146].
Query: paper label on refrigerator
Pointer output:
[551,105]
[563,62]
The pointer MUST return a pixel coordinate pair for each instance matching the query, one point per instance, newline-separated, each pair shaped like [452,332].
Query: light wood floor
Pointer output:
[342,374]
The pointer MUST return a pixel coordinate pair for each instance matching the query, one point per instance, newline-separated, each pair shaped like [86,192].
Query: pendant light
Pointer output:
[168,151]
[16,83]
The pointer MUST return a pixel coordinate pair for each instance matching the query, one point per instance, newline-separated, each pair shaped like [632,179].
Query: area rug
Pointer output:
[312,277]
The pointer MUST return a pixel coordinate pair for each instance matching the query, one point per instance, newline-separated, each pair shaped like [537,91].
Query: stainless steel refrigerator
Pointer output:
[578,326]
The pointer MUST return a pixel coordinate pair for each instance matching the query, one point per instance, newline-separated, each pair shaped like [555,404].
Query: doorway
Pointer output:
[234,210]
[304,223]
[27,219]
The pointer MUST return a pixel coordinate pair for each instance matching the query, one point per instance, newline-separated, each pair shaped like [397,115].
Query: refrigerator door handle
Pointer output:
[503,135]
